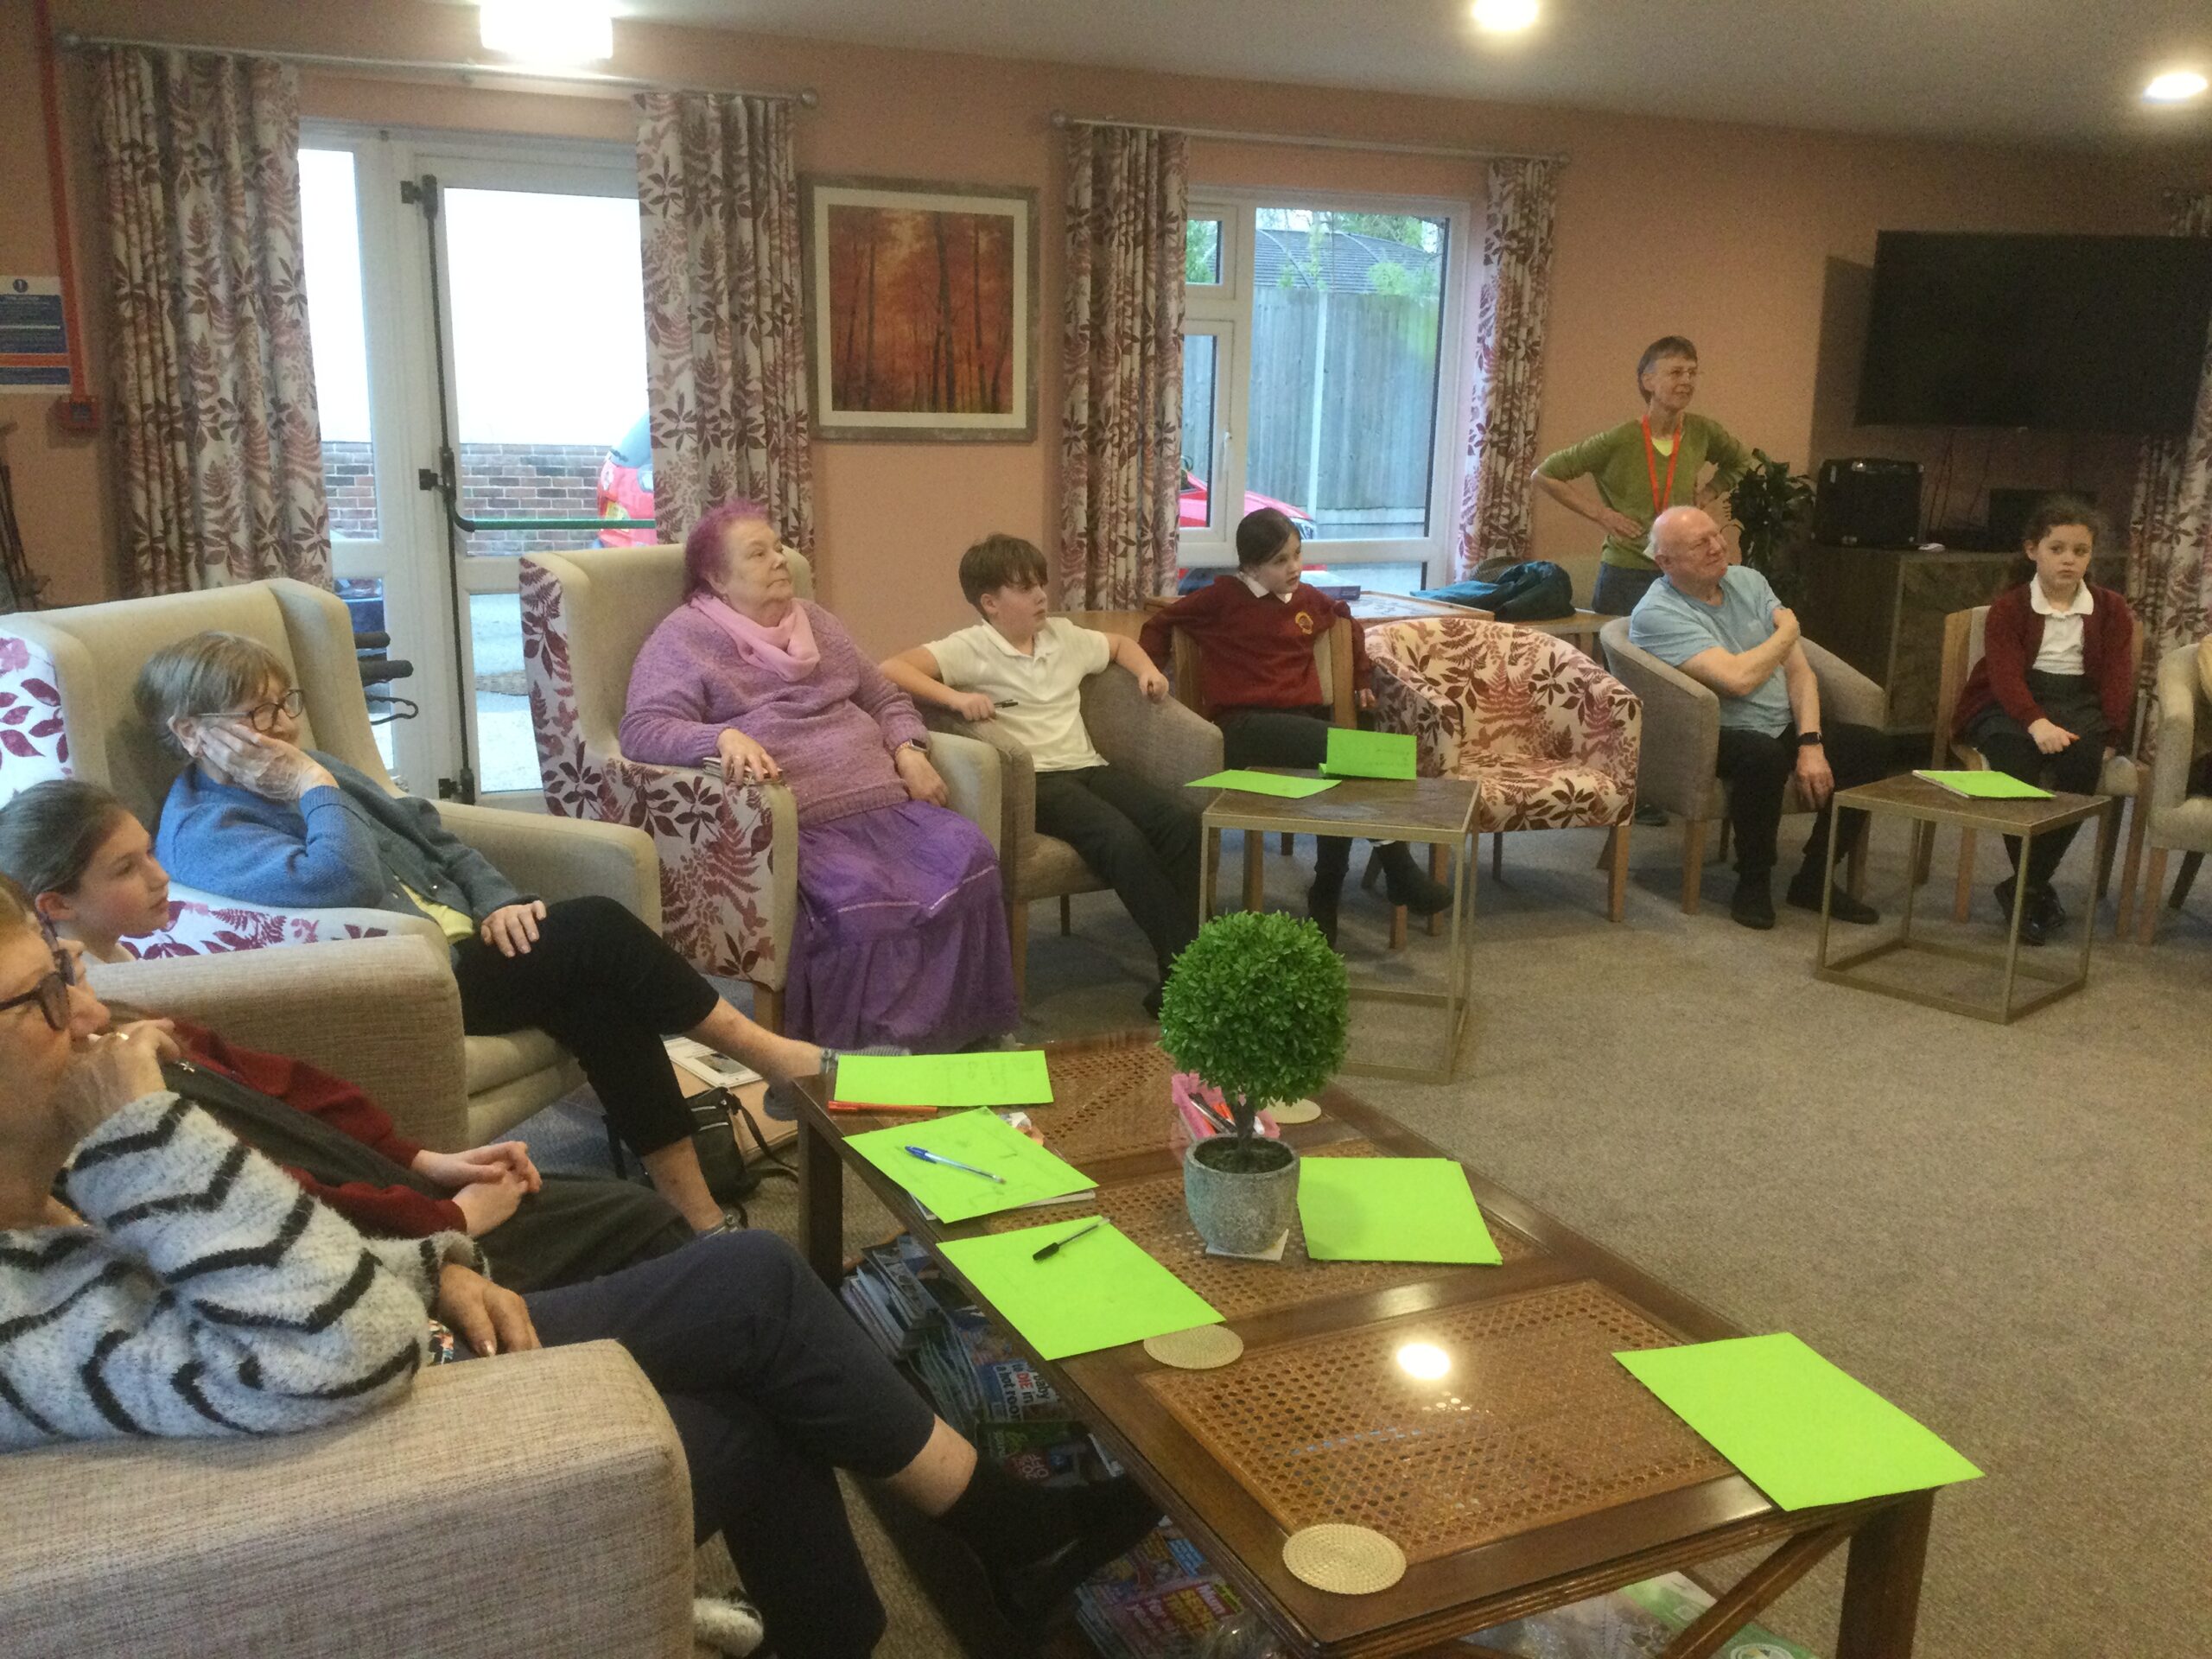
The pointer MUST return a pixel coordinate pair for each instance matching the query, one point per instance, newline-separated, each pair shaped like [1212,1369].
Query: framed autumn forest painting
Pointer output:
[921,310]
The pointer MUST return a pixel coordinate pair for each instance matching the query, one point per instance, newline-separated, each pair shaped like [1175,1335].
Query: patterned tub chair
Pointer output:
[66,710]
[728,855]
[1552,739]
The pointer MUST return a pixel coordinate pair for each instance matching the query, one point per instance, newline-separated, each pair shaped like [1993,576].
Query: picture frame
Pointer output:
[921,310]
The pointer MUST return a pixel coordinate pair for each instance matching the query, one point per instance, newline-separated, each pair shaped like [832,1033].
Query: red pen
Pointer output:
[862,1106]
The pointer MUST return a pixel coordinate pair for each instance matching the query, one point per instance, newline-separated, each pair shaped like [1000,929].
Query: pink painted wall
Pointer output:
[1742,238]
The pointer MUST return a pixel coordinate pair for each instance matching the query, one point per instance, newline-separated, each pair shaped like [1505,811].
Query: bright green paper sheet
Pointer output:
[1263,783]
[983,1139]
[1390,1209]
[1100,1292]
[1988,786]
[1368,754]
[1803,1432]
[993,1077]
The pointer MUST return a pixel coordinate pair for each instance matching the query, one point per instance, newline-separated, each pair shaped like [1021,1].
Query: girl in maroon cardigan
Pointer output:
[2050,695]
[1254,631]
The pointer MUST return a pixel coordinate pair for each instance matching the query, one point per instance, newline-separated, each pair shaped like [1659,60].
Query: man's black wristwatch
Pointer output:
[1809,740]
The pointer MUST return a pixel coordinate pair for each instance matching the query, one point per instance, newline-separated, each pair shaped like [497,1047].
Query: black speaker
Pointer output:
[1867,503]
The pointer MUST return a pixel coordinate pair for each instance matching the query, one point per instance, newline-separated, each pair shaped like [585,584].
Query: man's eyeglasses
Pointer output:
[52,992]
[262,715]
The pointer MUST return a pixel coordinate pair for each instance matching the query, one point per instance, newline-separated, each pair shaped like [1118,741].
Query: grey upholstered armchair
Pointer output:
[2179,822]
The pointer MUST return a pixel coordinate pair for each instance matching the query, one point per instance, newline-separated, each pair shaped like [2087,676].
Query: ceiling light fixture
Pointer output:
[2175,86]
[547,31]
[1505,16]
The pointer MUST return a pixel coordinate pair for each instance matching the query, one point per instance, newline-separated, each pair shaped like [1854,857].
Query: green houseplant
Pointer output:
[1257,1006]
[1773,506]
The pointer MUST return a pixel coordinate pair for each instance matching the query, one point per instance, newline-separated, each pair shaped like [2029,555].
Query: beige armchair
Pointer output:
[81,664]
[2179,822]
[1681,742]
[566,1534]
[1163,742]
[728,855]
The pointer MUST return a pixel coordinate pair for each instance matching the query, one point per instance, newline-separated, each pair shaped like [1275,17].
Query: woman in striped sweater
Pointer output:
[159,1278]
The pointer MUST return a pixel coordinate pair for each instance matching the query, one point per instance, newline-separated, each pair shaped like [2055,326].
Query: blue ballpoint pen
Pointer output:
[929,1157]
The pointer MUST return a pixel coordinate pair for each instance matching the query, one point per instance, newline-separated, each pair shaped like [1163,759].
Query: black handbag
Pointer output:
[1534,590]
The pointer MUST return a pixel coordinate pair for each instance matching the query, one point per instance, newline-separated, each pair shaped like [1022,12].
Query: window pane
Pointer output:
[1392,578]
[1201,251]
[1199,427]
[507,750]
[1347,319]
[549,342]
[330,235]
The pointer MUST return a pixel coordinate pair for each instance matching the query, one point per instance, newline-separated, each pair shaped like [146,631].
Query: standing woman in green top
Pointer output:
[1642,467]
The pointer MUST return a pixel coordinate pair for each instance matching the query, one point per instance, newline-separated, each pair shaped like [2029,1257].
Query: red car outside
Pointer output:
[1191,513]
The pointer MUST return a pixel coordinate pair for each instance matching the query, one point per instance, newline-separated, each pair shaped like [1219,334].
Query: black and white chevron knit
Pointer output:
[208,1295]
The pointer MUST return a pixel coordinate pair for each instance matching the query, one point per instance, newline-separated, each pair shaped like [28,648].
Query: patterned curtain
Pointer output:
[1509,361]
[725,329]
[214,383]
[2169,531]
[1121,432]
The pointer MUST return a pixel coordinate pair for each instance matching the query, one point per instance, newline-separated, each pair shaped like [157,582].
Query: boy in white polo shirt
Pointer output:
[1025,668]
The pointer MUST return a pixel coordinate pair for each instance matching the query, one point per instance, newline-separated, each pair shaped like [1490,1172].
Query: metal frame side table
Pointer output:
[1927,805]
[1432,810]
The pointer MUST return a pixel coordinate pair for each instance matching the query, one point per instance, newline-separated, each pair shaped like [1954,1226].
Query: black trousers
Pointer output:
[2078,768]
[1285,737]
[773,1387]
[1143,841]
[1618,588]
[607,988]
[1758,769]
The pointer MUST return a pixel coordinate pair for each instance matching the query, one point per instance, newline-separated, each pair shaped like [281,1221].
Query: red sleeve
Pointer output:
[2007,648]
[2115,673]
[302,1087]
[1156,636]
[387,1212]
[1362,675]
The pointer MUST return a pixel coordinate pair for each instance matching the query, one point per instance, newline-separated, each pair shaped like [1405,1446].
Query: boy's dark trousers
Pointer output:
[1141,839]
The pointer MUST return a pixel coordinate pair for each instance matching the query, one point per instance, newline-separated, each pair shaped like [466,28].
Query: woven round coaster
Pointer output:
[1344,1561]
[1293,1111]
[1201,1348]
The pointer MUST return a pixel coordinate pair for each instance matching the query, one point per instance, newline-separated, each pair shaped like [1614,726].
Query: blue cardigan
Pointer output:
[353,845]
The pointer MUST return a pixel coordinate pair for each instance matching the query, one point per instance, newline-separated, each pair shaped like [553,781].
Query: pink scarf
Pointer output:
[786,650]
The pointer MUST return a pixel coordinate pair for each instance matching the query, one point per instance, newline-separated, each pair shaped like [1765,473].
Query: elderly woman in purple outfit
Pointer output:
[901,931]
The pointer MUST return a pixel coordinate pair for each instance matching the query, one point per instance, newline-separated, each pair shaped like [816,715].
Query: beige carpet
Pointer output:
[2002,1228]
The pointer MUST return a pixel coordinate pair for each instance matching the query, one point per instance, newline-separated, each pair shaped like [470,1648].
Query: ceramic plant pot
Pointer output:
[1241,1197]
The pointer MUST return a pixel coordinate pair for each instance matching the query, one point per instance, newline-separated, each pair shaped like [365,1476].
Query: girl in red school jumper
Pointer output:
[1254,631]
[2049,700]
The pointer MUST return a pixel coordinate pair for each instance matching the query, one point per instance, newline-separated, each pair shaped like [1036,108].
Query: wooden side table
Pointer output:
[1435,810]
[1927,805]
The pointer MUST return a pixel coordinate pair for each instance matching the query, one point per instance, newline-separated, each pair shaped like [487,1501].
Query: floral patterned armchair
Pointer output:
[728,855]
[1551,738]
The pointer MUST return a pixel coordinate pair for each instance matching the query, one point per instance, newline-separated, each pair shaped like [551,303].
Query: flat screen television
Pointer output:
[2067,334]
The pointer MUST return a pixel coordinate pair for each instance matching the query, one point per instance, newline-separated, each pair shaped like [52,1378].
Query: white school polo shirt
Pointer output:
[1039,694]
[2060,651]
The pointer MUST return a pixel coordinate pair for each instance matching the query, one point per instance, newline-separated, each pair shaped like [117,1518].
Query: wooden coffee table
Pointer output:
[1534,1473]
[1927,805]
[1434,811]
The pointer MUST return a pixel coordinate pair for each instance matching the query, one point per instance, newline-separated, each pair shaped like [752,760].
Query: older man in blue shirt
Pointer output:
[1721,624]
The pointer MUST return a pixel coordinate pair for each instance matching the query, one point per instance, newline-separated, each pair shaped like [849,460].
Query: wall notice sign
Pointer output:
[33,336]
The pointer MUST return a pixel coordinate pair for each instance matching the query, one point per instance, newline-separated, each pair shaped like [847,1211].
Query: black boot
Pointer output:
[1407,883]
[1331,858]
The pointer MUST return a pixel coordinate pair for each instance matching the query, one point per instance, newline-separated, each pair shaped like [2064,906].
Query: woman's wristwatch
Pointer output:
[1809,740]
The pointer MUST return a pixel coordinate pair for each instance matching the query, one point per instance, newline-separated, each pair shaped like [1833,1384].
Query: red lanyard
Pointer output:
[1651,466]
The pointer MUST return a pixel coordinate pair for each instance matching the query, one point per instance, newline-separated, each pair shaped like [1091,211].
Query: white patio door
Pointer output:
[479,357]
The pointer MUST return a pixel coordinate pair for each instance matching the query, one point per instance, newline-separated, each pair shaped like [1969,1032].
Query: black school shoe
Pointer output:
[1806,895]
[1753,904]
[1117,1517]
[2036,922]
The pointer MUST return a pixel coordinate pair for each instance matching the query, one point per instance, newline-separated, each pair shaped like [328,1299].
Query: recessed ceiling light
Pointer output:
[547,31]
[1503,17]
[2175,85]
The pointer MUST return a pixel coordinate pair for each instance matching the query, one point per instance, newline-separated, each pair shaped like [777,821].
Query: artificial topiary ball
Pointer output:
[1257,1006]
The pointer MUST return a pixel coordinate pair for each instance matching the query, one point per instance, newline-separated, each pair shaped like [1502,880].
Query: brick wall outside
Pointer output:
[498,480]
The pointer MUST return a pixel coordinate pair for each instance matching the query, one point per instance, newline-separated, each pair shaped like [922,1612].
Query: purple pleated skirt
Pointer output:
[901,933]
